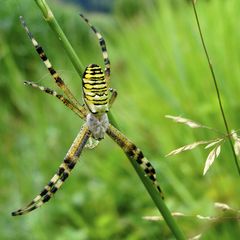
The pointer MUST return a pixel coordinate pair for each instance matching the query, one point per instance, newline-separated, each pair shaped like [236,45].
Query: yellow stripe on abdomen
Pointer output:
[95,89]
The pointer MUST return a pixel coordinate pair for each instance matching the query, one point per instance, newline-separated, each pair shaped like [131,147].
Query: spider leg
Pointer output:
[112,97]
[62,174]
[56,77]
[65,101]
[135,153]
[103,48]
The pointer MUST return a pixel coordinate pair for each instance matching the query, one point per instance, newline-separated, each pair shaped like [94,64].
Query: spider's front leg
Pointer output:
[103,47]
[80,112]
[58,80]
[62,174]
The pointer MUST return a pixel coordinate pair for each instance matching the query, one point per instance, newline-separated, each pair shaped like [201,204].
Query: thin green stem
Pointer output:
[159,202]
[216,88]
[51,20]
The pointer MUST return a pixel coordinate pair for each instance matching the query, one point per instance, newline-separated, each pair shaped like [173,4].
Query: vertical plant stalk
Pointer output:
[51,20]
[216,88]
[160,204]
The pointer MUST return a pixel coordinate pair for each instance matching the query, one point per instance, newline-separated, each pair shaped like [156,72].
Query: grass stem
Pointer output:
[159,202]
[216,88]
[51,20]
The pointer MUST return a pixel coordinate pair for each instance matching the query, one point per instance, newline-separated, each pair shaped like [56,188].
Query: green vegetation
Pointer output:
[158,68]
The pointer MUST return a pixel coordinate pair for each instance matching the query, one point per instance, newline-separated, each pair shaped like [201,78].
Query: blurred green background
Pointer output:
[158,68]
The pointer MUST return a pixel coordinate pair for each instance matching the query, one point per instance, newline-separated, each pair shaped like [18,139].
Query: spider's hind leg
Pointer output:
[133,152]
[62,174]
[136,154]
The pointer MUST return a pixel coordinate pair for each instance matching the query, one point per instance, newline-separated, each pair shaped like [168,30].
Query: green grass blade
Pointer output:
[159,202]
[216,88]
[51,20]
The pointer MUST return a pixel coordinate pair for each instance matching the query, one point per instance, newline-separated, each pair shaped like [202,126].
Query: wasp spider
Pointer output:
[98,98]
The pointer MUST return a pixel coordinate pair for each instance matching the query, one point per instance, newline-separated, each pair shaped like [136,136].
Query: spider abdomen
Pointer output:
[95,89]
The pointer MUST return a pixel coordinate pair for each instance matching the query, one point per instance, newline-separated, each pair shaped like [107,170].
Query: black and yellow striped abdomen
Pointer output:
[95,89]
